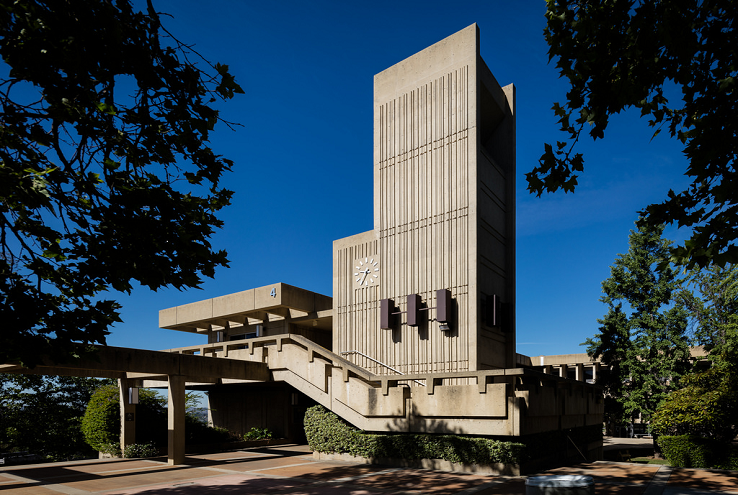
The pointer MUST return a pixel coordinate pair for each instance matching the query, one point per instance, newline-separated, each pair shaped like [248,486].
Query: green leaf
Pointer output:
[106,108]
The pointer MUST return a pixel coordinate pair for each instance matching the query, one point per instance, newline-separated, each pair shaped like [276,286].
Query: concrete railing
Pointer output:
[490,402]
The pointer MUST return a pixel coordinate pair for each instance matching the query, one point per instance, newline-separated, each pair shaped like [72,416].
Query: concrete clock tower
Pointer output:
[432,287]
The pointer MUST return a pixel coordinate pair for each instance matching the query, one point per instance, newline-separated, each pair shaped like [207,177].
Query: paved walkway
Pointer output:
[617,443]
[292,470]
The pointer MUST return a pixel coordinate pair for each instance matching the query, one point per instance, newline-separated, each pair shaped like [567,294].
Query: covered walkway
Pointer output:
[131,366]
[292,469]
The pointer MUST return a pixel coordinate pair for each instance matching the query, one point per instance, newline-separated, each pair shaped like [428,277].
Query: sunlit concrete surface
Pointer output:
[292,469]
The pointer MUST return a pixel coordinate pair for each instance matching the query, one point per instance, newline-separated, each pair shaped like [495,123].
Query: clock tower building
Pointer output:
[432,287]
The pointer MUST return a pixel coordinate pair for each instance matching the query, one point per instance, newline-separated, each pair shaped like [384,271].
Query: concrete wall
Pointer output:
[275,406]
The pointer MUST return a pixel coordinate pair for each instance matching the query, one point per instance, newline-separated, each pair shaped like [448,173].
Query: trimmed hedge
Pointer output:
[328,433]
[693,451]
[101,422]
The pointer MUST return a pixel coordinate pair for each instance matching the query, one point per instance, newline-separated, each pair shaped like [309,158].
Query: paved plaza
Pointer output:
[291,469]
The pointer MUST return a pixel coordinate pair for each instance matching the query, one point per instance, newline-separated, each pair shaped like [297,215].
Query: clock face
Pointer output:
[366,272]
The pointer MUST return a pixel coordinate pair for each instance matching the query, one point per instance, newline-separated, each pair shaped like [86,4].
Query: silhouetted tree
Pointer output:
[621,54]
[106,174]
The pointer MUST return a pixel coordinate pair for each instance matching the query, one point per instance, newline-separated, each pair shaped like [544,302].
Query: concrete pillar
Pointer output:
[176,412]
[595,372]
[580,372]
[127,414]
[563,371]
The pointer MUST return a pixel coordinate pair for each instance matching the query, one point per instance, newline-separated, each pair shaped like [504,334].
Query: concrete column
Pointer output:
[580,372]
[563,371]
[127,414]
[176,412]
[595,371]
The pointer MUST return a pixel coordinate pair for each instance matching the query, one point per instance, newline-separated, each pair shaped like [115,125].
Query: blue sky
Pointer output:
[305,147]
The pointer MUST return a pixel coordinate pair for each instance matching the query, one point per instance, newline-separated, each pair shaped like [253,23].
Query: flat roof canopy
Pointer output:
[250,307]
[121,362]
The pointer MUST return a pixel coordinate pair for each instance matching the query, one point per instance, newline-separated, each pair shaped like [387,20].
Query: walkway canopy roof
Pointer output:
[251,307]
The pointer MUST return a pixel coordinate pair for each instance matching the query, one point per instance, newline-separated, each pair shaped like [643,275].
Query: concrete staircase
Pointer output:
[510,402]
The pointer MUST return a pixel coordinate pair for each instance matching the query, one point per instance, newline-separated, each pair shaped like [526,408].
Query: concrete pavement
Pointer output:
[291,469]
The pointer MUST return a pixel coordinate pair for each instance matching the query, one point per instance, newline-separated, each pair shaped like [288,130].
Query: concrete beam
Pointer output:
[63,371]
[115,362]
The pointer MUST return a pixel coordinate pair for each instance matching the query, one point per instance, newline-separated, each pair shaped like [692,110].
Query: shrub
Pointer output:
[200,433]
[693,451]
[140,450]
[328,433]
[707,406]
[101,422]
[112,449]
[257,434]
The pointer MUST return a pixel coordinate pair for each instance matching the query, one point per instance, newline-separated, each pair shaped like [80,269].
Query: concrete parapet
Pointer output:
[509,402]
[496,469]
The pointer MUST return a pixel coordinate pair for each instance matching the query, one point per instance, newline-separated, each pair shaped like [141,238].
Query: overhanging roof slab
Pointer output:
[280,299]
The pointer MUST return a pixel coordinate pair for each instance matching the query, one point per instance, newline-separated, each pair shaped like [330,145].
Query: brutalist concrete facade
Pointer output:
[420,333]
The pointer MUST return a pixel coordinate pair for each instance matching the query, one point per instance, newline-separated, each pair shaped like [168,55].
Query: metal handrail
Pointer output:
[380,363]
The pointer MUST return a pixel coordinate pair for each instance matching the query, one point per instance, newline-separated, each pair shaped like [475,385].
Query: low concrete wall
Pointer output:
[225,446]
[434,464]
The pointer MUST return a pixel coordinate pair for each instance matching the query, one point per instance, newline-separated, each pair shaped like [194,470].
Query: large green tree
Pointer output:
[675,61]
[106,174]
[707,405]
[713,306]
[42,415]
[643,337]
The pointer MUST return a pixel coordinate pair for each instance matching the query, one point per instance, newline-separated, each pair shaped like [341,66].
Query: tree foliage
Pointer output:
[642,337]
[707,405]
[42,415]
[713,306]
[625,54]
[106,174]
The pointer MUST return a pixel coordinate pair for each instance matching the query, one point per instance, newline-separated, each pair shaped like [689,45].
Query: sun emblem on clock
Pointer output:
[367,272]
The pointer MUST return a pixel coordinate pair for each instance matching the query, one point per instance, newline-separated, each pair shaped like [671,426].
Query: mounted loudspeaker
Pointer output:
[413,310]
[444,305]
[386,306]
